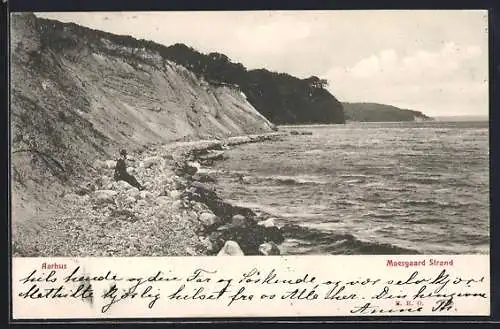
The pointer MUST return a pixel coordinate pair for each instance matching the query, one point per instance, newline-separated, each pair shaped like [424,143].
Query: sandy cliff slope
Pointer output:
[77,97]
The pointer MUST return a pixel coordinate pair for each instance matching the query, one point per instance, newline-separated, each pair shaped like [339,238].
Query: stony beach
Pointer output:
[178,214]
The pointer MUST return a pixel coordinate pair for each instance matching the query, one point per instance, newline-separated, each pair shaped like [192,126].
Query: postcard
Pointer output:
[226,164]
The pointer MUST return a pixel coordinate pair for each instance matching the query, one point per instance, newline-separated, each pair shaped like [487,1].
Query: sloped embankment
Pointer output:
[179,213]
[78,96]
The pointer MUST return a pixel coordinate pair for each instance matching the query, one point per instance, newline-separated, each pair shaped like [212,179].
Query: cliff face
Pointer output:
[78,95]
[373,112]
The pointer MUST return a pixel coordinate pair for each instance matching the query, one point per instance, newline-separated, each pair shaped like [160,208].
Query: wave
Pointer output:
[314,151]
[436,203]
[245,178]
[315,241]
[425,181]
[385,215]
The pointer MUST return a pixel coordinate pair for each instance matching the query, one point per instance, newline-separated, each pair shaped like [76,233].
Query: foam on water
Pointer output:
[421,188]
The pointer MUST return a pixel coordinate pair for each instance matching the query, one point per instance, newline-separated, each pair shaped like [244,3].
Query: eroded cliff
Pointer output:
[78,95]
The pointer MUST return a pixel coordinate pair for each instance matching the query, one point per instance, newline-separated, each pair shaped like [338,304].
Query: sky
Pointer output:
[430,61]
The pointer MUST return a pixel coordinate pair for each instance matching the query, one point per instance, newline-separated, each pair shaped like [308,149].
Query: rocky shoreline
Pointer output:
[178,214]
[230,230]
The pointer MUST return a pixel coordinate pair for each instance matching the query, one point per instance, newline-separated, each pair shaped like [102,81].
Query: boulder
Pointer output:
[162,200]
[177,205]
[104,181]
[268,222]
[151,161]
[175,195]
[131,170]
[240,221]
[105,195]
[194,164]
[85,189]
[269,249]
[121,186]
[231,248]
[205,242]
[133,192]
[185,169]
[99,164]
[129,200]
[178,185]
[145,195]
[199,207]
[273,233]
[110,164]
[208,219]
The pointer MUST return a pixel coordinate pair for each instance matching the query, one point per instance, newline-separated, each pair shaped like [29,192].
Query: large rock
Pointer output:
[177,205]
[231,248]
[133,192]
[162,200]
[273,233]
[121,186]
[238,222]
[199,207]
[208,219]
[194,164]
[175,195]
[247,234]
[105,195]
[145,195]
[185,169]
[269,249]
[268,222]
[110,164]
[205,242]
[99,164]
[151,161]
[178,185]
[191,251]
[105,181]
[126,202]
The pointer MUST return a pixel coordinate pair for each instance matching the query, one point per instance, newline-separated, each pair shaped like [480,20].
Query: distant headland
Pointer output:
[375,112]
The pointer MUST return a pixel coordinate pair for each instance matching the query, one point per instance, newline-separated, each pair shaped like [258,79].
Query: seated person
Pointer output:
[122,174]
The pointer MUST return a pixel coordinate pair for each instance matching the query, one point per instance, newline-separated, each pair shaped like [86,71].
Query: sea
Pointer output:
[368,188]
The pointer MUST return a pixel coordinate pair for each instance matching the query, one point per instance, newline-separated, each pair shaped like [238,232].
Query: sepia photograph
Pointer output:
[245,133]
